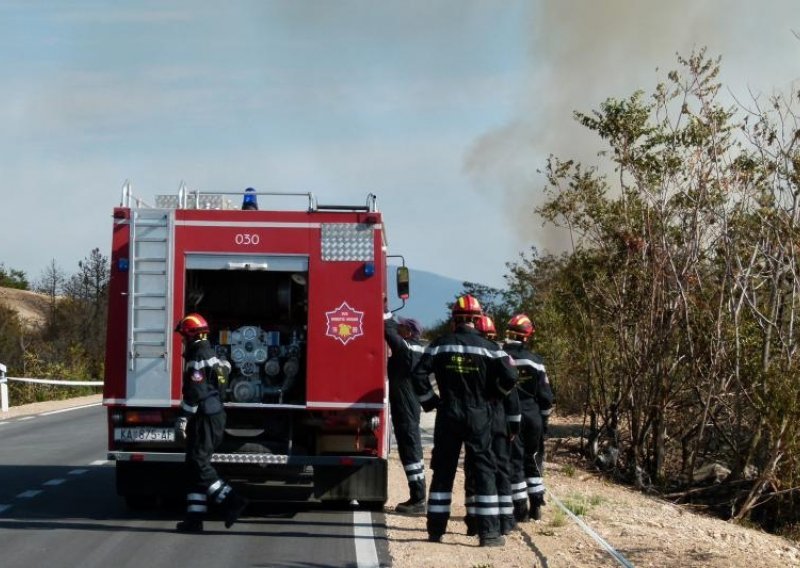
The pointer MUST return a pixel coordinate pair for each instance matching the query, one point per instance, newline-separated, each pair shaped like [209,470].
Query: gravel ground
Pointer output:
[645,531]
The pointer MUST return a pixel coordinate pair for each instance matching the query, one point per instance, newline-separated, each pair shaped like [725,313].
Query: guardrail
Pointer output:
[4,385]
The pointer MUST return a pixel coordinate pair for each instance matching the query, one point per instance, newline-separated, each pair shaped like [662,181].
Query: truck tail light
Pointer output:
[338,421]
[144,417]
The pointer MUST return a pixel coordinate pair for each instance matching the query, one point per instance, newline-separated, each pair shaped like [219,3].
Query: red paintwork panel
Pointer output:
[116,332]
[346,356]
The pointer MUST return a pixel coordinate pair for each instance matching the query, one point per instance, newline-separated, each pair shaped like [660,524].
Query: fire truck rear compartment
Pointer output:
[259,321]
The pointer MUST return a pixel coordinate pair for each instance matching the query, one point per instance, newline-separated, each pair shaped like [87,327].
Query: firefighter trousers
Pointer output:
[203,435]
[528,458]
[469,427]
[501,451]
[405,421]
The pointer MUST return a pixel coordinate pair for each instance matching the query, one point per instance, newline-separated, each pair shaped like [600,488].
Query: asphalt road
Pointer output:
[58,508]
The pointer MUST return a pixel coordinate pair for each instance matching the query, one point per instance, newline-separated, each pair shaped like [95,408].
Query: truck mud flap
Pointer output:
[138,481]
[367,483]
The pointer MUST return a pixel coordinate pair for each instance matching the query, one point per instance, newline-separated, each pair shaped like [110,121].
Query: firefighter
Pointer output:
[505,427]
[485,325]
[536,403]
[469,369]
[403,337]
[202,424]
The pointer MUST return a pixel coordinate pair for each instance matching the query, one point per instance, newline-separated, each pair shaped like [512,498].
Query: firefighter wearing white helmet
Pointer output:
[469,369]
[536,404]
[202,425]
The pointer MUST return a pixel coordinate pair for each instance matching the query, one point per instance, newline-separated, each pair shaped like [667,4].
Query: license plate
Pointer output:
[144,434]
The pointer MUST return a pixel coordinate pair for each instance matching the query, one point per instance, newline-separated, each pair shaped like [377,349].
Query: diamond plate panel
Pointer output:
[205,201]
[347,241]
[166,201]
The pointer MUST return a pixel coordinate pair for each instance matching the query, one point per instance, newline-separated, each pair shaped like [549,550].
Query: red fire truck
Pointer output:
[295,301]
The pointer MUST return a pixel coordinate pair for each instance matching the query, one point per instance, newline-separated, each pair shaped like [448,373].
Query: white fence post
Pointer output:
[3,389]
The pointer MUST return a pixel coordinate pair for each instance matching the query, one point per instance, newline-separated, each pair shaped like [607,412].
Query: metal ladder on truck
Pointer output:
[149,307]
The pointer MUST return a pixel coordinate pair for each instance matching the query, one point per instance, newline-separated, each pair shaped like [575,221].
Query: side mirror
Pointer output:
[403,286]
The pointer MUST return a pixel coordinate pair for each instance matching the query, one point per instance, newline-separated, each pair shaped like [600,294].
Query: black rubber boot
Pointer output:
[416,489]
[521,510]
[507,524]
[472,525]
[493,541]
[234,507]
[191,524]
[411,508]
[537,502]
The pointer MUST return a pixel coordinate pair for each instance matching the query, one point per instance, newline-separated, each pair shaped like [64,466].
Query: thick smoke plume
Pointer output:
[583,52]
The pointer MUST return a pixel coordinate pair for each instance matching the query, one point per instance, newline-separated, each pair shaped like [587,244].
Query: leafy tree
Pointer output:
[11,332]
[11,278]
[52,284]
[85,307]
[672,320]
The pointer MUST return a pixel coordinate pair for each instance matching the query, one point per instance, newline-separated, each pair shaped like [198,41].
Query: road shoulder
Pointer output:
[50,405]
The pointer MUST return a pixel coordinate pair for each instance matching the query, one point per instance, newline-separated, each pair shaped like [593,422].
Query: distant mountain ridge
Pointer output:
[431,294]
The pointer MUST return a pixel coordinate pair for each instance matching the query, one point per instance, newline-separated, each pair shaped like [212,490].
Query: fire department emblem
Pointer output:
[344,323]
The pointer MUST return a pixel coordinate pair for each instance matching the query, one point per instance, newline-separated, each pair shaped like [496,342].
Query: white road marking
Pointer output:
[29,494]
[25,418]
[4,508]
[99,462]
[77,471]
[69,409]
[54,482]
[366,553]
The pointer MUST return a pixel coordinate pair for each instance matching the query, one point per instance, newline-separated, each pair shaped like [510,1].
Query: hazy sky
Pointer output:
[443,109]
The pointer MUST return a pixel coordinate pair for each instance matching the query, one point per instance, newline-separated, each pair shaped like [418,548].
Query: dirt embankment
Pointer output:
[31,307]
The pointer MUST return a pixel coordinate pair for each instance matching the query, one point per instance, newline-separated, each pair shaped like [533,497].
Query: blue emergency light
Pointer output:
[250,202]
